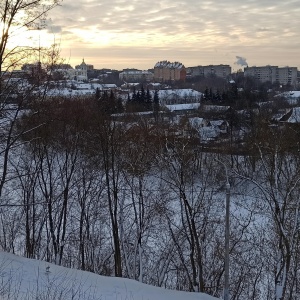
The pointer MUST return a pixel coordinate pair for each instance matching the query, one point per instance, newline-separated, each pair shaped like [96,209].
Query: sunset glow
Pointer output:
[117,34]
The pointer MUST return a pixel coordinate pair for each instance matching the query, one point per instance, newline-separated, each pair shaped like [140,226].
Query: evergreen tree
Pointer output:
[133,98]
[156,105]
[143,95]
[97,93]
[218,97]
[148,100]
[112,104]
[138,98]
[104,103]
[224,97]
[211,94]
[128,103]
[206,94]
[119,106]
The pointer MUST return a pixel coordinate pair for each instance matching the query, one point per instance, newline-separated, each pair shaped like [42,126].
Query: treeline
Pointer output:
[234,97]
[137,101]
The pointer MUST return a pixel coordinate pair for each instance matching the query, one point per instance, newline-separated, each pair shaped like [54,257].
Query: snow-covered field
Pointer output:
[22,279]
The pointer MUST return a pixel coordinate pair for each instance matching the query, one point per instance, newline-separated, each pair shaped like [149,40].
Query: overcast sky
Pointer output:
[136,34]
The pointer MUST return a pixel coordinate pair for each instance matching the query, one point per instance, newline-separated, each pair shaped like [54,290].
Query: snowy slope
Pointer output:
[22,278]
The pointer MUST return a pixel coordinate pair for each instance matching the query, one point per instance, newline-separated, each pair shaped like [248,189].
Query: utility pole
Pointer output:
[227,232]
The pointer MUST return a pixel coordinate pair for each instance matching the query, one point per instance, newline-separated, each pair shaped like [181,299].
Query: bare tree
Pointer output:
[276,181]
[16,17]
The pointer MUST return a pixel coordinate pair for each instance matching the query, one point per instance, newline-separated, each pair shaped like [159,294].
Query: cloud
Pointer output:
[263,29]
[54,29]
[198,25]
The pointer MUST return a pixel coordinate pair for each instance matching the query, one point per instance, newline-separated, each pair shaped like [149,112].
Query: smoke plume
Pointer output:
[241,61]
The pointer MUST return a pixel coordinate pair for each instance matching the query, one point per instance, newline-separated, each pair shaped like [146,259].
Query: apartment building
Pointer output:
[136,76]
[169,71]
[273,74]
[222,71]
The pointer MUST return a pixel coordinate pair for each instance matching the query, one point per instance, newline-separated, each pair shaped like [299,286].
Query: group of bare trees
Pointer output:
[132,198]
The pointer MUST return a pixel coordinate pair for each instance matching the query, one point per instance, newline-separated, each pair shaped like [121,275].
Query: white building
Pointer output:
[178,96]
[222,71]
[285,75]
[136,76]
[78,74]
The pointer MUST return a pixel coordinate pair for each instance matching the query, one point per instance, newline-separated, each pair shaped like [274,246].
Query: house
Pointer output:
[209,130]
[220,125]
[208,134]
[293,116]
[197,122]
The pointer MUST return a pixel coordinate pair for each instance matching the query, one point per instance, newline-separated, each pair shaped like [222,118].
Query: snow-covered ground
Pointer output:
[22,279]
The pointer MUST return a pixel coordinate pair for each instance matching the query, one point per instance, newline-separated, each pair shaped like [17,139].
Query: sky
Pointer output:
[121,34]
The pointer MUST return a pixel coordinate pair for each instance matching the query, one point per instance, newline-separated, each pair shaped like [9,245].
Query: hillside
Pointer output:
[23,278]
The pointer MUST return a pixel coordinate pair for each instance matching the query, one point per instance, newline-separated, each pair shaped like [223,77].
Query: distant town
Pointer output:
[212,94]
[84,79]
[167,72]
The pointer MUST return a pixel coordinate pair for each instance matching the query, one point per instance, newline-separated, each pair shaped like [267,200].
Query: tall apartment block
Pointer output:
[285,75]
[222,71]
[169,71]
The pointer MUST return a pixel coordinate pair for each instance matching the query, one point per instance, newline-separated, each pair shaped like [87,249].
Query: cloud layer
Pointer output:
[112,33]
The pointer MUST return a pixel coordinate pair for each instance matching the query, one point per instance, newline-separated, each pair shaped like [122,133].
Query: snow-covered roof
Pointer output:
[219,108]
[131,84]
[187,106]
[83,86]
[136,72]
[290,94]
[102,86]
[69,92]
[216,123]
[109,85]
[196,122]
[169,65]
[208,133]
[295,116]
[179,93]
[155,83]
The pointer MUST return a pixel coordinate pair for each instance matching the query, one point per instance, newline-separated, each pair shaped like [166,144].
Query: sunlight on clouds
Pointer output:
[30,38]
[94,36]
[128,8]
[288,33]
[172,26]
[155,18]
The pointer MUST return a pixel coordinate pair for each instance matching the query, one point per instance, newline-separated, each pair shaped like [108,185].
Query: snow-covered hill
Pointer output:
[22,279]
